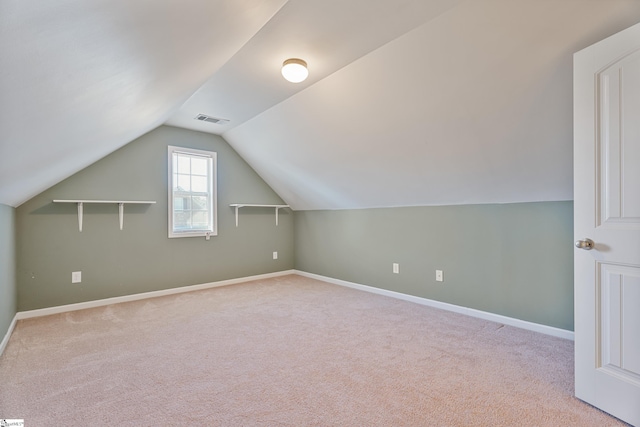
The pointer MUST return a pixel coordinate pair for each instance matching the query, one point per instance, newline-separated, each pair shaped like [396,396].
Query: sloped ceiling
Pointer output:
[79,79]
[409,102]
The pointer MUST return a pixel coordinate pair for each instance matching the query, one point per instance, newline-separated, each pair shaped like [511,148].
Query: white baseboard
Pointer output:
[523,324]
[548,330]
[5,340]
[135,297]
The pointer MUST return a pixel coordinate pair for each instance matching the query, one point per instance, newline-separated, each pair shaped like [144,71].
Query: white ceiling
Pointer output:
[409,102]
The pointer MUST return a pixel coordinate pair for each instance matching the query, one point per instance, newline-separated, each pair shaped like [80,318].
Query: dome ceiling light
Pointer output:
[295,70]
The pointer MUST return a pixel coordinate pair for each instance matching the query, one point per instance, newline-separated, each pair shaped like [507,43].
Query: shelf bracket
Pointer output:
[80,212]
[277,209]
[121,214]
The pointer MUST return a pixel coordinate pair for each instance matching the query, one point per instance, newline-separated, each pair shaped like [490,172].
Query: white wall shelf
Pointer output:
[251,205]
[120,204]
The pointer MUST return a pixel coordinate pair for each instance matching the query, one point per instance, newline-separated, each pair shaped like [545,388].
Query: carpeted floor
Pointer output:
[289,351]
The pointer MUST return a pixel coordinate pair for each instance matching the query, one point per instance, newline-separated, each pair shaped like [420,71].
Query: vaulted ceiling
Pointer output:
[408,102]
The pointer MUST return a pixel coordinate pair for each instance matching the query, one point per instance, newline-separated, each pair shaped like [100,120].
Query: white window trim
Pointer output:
[214,192]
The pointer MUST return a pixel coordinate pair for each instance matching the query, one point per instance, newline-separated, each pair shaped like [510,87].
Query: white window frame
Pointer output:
[212,229]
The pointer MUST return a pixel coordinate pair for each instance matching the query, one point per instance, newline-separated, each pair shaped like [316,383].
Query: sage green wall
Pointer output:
[8,295]
[141,257]
[511,259]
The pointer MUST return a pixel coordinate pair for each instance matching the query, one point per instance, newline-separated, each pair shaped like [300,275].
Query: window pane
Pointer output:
[199,184]
[181,203]
[184,182]
[200,219]
[199,166]
[174,181]
[181,220]
[200,202]
[184,164]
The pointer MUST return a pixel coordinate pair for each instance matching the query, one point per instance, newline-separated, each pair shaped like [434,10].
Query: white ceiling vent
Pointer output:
[205,118]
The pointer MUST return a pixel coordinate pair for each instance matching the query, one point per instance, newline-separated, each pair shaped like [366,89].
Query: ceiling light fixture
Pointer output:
[294,70]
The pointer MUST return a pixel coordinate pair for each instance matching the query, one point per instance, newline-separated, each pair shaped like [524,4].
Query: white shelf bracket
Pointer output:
[237,207]
[277,209]
[121,214]
[80,212]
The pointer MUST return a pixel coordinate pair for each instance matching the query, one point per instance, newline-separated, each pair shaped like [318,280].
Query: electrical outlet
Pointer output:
[76,277]
[275,255]
[396,268]
[439,276]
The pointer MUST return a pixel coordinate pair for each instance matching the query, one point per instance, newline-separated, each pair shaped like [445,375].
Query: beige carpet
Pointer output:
[289,351]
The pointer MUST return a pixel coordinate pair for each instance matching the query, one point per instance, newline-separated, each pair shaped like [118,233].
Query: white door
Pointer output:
[607,211]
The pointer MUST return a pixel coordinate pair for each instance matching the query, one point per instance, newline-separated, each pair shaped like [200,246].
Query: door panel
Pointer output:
[618,93]
[618,288]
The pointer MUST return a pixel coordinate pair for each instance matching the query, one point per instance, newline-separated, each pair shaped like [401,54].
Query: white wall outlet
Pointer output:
[439,276]
[396,268]
[76,277]
[275,255]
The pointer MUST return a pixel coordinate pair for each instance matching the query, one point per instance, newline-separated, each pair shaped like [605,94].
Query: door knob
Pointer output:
[586,244]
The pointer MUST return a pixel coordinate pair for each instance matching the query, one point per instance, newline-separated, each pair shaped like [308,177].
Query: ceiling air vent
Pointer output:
[205,118]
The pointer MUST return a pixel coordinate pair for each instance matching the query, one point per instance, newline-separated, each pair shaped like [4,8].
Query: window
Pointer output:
[192,193]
